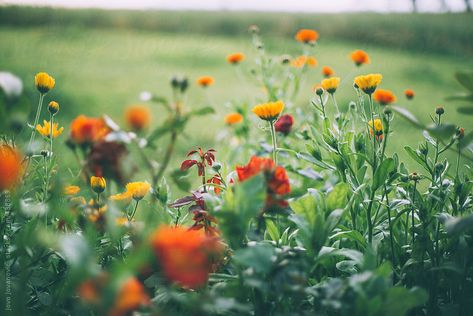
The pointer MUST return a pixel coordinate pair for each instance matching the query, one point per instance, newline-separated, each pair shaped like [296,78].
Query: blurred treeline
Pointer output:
[449,33]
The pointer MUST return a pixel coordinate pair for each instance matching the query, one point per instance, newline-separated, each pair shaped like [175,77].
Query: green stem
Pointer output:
[413,211]
[458,162]
[335,103]
[36,120]
[134,211]
[51,120]
[273,138]
[323,106]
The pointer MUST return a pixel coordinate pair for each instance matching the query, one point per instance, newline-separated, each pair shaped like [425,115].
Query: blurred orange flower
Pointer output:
[327,71]
[205,81]
[10,167]
[409,94]
[233,118]
[235,58]
[130,297]
[186,256]
[300,61]
[71,190]
[138,117]
[86,130]
[360,57]
[307,36]
[384,97]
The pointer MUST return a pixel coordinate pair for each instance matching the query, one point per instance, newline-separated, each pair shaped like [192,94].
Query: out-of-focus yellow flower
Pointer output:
[368,83]
[330,84]
[384,97]
[300,61]
[45,130]
[268,111]
[205,81]
[327,71]
[44,82]
[121,221]
[235,58]
[307,36]
[360,57]
[53,107]
[138,189]
[378,128]
[98,184]
[71,190]
[122,199]
[233,118]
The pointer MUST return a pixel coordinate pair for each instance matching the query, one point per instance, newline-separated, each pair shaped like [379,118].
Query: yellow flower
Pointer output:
[330,84]
[44,82]
[138,189]
[378,128]
[45,130]
[121,221]
[368,83]
[53,107]
[233,118]
[98,184]
[268,111]
[123,199]
[71,190]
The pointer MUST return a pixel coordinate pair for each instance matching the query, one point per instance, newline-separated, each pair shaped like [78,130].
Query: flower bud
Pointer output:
[253,29]
[387,111]
[44,153]
[284,124]
[423,149]
[44,82]
[216,166]
[460,133]
[319,91]
[285,59]
[53,107]
[352,105]
[439,110]
[414,177]
[404,178]
[439,168]
[98,184]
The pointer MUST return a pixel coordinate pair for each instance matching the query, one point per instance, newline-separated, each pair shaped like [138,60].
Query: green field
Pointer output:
[101,70]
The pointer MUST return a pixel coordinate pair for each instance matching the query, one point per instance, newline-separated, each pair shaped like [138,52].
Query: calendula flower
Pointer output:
[368,83]
[130,297]
[360,57]
[138,189]
[10,167]
[44,82]
[268,111]
[307,36]
[330,84]
[45,130]
[123,199]
[98,184]
[138,117]
[384,97]
[122,221]
[86,130]
[327,71]
[409,94]
[71,190]
[284,124]
[186,256]
[378,128]
[205,81]
[53,107]
[235,58]
[300,61]
[233,118]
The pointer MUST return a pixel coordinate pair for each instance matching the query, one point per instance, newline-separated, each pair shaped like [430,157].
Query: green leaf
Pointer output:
[382,173]
[353,235]
[338,197]
[202,111]
[272,230]
[460,97]
[458,225]
[400,300]
[407,115]
[414,155]
[258,257]
[465,79]
[443,131]
[468,110]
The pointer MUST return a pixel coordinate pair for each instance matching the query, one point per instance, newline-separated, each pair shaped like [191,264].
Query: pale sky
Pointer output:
[258,5]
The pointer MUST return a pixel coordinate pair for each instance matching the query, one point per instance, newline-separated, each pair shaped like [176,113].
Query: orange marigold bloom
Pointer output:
[138,117]
[268,111]
[330,84]
[300,61]
[88,129]
[10,167]
[377,131]
[409,94]
[130,297]
[307,36]
[327,71]
[186,256]
[235,58]
[384,97]
[233,118]
[205,81]
[360,57]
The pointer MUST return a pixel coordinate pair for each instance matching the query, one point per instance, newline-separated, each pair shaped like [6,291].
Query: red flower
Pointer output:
[284,124]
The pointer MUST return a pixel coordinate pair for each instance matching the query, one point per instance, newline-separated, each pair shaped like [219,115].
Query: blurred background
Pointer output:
[103,54]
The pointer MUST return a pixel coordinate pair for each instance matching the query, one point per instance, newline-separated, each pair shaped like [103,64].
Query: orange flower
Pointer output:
[130,297]
[300,61]
[409,94]
[384,97]
[186,256]
[205,81]
[138,117]
[327,71]
[10,167]
[235,58]
[233,118]
[307,36]
[88,291]
[360,57]
[86,130]
[276,177]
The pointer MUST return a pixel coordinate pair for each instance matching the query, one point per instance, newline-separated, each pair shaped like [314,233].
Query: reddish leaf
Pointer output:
[186,164]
